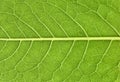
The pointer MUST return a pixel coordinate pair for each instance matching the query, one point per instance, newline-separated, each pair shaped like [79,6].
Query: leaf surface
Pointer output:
[59,41]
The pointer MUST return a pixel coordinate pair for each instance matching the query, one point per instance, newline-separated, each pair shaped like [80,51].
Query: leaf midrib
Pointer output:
[60,39]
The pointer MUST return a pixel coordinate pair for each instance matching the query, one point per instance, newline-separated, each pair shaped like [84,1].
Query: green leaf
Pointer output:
[59,41]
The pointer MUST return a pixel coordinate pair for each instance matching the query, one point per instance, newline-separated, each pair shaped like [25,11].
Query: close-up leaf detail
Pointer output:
[59,40]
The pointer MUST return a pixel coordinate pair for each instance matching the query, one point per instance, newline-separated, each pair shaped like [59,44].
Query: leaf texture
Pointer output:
[59,40]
